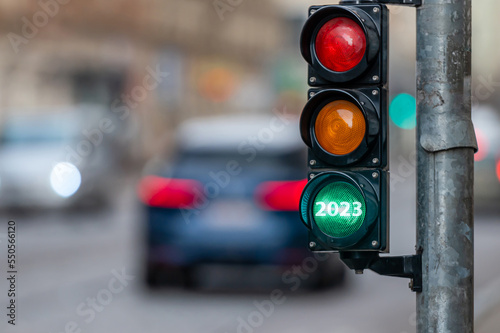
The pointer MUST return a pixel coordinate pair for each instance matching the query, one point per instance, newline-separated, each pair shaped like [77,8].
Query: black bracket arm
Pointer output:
[403,266]
[411,3]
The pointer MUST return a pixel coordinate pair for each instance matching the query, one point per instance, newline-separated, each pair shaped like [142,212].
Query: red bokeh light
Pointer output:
[483,146]
[498,170]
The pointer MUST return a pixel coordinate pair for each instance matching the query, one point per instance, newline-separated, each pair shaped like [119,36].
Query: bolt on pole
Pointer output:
[445,144]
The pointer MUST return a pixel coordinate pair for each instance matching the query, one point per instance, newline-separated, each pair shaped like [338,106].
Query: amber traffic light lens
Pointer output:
[340,127]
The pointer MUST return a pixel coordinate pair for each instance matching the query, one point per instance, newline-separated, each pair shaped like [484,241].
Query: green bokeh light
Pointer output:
[339,209]
[403,111]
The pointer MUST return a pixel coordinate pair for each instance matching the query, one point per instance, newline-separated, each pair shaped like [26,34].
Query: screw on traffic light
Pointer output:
[344,124]
[345,204]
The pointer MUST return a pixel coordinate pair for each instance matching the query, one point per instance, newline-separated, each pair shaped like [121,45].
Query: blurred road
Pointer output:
[79,272]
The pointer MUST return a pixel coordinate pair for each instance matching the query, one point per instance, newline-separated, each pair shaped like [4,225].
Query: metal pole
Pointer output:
[445,145]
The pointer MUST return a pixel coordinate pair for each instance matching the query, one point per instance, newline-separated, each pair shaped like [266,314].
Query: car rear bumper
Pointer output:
[188,256]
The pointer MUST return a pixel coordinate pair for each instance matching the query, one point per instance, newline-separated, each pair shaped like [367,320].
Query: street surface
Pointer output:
[80,272]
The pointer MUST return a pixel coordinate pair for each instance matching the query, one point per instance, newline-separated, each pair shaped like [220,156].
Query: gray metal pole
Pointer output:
[445,145]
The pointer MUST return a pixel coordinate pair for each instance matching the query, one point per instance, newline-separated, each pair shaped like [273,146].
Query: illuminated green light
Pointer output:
[403,111]
[339,209]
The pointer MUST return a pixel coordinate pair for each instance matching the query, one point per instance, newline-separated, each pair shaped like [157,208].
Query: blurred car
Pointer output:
[487,160]
[231,196]
[54,160]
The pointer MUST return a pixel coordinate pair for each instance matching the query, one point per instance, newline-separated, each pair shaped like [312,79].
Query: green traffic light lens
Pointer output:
[339,209]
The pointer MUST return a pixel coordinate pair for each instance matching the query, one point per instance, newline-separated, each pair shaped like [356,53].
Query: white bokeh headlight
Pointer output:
[65,179]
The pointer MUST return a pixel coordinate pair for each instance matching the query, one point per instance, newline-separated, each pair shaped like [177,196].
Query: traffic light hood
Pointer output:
[321,17]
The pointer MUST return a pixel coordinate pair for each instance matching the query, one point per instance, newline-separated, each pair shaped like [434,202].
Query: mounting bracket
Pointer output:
[403,266]
[412,3]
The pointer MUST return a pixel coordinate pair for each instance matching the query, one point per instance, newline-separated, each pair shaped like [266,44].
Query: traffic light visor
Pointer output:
[340,127]
[340,44]
[339,209]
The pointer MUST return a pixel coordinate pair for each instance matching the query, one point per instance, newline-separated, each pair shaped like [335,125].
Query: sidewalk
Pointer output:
[489,322]
[487,308]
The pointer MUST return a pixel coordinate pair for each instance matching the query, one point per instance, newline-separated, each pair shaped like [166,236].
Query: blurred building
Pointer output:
[61,52]
[221,57]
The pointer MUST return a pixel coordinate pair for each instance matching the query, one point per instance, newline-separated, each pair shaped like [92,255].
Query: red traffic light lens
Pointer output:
[340,44]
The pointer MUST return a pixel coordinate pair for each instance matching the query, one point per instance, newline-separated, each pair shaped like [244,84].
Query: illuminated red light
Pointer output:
[340,44]
[280,195]
[168,193]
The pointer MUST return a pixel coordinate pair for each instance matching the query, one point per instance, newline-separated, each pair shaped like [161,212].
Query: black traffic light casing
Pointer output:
[366,167]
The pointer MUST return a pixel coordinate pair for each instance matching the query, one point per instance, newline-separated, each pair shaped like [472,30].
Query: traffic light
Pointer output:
[344,124]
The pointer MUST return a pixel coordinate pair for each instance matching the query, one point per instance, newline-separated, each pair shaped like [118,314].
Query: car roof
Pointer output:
[231,133]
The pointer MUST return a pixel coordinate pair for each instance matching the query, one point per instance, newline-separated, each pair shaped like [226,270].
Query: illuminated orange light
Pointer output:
[340,127]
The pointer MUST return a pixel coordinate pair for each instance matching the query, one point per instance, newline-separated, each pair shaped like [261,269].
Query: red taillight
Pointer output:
[169,193]
[340,44]
[498,170]
[280,196]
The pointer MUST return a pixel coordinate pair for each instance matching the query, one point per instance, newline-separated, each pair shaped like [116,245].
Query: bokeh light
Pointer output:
[498,170]
[483,147]
[403,111]
[65,179]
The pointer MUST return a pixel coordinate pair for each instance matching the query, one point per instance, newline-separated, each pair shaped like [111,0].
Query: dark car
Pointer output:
[231,196]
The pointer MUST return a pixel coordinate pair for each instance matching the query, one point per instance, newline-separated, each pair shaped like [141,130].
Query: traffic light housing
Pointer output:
[346,44]
[361,146]
[344,211]
[344,124]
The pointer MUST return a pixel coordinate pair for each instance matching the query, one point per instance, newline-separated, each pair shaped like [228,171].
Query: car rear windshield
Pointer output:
[240,174]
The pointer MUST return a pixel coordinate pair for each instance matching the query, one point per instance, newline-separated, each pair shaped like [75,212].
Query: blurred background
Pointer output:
[116,116]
